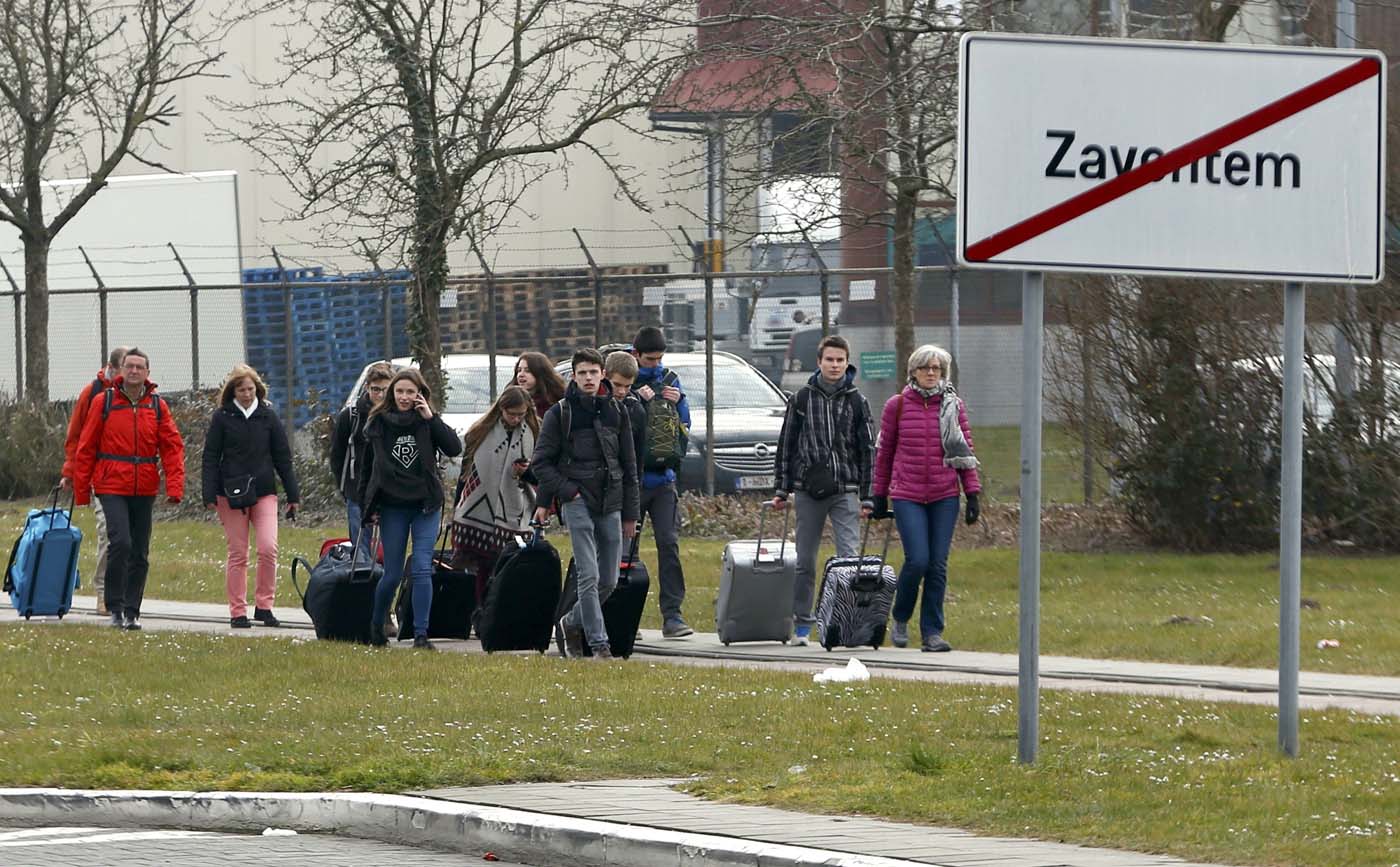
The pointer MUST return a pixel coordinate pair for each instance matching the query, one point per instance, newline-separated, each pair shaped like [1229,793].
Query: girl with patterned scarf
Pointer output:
[496,499]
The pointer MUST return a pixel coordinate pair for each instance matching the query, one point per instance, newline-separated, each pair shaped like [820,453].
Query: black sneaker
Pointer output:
[117,621]
[377,638]
[131,624]
[421,642]
[675,627]
[240,622]
[569,641]
[264,616]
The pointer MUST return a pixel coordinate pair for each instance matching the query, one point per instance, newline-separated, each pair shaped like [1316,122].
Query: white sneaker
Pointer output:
[801,636]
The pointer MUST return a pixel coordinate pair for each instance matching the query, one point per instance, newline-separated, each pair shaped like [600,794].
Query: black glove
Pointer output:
[880,508]
[973,510]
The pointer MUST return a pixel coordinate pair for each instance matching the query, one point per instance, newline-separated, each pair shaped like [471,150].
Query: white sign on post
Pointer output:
[1162,158]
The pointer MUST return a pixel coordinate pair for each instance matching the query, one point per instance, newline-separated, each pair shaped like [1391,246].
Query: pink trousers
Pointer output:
[263,520]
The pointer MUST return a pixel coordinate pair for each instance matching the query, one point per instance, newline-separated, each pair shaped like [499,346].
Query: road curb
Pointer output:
[470,829]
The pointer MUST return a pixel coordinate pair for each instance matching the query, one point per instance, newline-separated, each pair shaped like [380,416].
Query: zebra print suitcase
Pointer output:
[856,596]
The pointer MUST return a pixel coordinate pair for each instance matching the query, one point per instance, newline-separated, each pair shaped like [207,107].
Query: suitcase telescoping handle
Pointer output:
[762,516]
[865,538]
[72,502]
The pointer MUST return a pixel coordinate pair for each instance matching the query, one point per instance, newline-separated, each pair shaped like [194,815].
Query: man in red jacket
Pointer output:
[105,379]
[128,432]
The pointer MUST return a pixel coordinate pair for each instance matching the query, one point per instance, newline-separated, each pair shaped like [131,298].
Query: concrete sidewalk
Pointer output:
[575,824]
[1361,693]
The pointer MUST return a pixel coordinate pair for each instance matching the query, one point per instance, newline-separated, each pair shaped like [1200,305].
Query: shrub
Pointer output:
[32,460]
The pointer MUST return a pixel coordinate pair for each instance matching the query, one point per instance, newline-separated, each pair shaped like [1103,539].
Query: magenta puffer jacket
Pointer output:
[909,461]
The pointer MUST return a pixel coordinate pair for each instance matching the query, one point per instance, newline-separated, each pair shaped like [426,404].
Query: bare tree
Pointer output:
[83,86]
[876,83]
[419,122]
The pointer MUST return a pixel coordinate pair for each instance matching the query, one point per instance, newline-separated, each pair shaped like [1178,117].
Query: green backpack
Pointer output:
[666,437]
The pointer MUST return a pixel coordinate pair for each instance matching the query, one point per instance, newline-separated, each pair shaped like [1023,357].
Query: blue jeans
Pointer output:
[396,525]
[926,530]
[597,541]
[358,534]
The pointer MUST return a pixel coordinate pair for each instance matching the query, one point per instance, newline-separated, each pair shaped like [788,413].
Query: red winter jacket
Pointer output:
[909,460]
[119,454]
[79,418]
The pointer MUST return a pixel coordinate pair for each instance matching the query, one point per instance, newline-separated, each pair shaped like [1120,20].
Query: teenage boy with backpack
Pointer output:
[823,463]
[586,463]
[667,414]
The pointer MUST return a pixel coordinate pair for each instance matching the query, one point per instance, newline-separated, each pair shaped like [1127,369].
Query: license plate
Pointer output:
[753,483]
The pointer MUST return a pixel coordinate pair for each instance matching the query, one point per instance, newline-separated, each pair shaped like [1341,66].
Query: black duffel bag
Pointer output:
[339,595]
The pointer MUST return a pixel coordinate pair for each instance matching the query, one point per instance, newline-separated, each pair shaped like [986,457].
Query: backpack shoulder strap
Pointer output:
[566,424]
[106,403]
[160,402]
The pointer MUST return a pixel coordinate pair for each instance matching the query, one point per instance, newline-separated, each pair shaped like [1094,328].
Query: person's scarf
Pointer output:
[494,497]
[957,453]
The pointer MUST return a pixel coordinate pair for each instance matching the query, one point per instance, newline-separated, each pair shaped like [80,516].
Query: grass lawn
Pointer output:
[94,708]
[1061,468]
[1207,609]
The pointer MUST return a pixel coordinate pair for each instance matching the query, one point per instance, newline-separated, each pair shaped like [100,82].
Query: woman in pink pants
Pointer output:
[244,452]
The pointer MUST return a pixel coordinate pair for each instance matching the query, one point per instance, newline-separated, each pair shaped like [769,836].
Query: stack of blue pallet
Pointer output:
[336,330]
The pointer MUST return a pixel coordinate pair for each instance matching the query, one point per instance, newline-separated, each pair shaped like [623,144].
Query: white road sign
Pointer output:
[1161,158]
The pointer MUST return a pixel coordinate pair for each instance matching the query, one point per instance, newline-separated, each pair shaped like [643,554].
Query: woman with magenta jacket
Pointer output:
[923,460]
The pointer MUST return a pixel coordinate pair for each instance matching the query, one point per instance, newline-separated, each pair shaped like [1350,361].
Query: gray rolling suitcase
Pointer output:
[755,588]
[856,596]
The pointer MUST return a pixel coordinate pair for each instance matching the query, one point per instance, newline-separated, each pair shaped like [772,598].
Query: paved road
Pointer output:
[106,847]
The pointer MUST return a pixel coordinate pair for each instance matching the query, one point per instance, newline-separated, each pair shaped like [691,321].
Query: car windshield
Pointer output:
[737,386]
[467,391]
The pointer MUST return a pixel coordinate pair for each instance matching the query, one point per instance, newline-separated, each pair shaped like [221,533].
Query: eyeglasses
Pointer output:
[929,368]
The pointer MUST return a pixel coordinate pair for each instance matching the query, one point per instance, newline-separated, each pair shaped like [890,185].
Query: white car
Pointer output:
[1320,378]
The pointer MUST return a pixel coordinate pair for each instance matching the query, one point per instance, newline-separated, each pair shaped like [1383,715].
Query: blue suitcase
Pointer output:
[43,569]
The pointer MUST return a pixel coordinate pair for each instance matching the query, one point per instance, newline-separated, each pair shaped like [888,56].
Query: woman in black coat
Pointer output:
[245,451]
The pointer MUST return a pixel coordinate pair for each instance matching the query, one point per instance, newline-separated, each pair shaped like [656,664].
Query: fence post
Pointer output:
[19,331]
[709,365]
[288,336]
[825,283]
[490,318]
[597,291]
[194,319]
[101,302]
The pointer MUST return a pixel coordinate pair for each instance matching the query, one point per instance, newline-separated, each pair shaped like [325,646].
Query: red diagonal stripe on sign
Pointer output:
[1032,227]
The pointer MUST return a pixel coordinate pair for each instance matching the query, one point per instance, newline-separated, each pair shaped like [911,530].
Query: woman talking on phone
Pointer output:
[496,502]
[401,492]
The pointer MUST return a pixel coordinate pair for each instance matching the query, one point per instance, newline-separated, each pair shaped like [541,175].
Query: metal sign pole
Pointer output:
[1028,678]
[1290,518]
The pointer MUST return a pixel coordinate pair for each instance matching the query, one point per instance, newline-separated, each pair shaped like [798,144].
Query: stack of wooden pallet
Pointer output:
[551,316]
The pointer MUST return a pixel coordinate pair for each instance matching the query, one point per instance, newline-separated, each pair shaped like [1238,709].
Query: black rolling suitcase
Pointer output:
[622,610]
[518,611]
[454,597]
[339,595]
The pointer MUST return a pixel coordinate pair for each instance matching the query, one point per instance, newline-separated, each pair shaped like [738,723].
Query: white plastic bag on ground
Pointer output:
[855,671]
[278,832]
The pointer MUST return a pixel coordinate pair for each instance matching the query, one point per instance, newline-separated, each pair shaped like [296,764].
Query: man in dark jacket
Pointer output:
[823,463]
[348,445]
[105,379]
[585,461]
